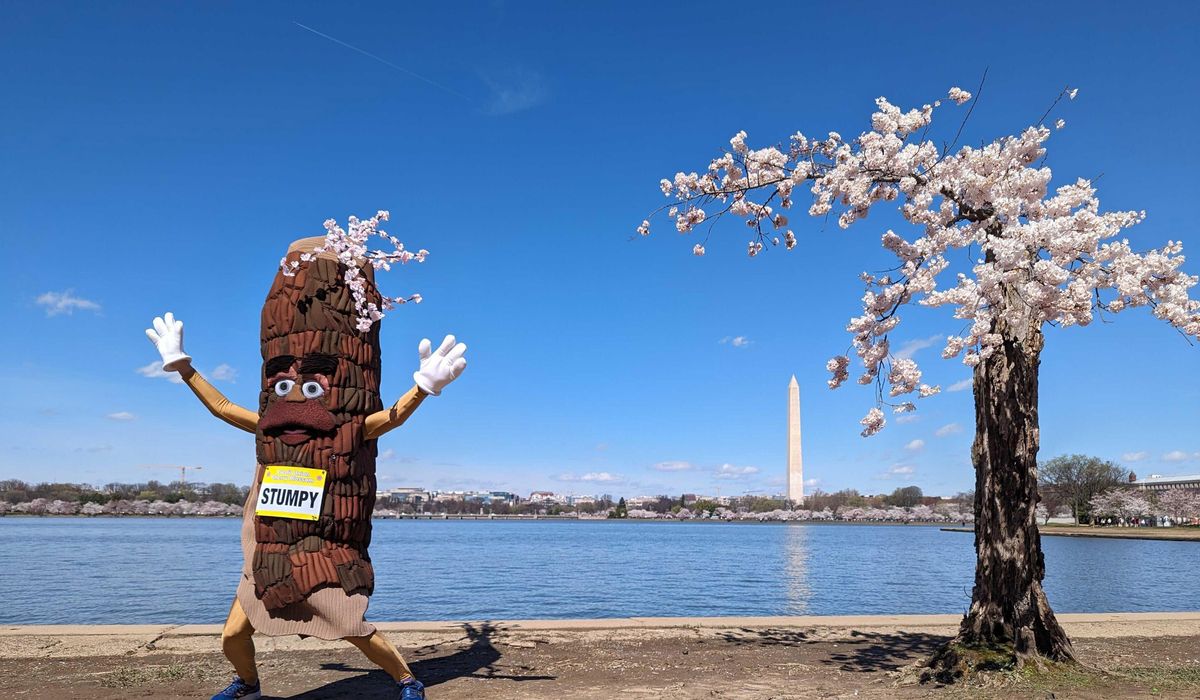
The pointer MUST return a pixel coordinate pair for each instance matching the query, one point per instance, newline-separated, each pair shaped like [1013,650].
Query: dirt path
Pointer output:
[472,661]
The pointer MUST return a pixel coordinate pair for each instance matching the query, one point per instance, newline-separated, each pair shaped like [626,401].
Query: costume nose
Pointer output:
[296,394]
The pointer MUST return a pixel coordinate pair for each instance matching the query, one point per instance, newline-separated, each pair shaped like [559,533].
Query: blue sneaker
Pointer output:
[241,689]
[411,689]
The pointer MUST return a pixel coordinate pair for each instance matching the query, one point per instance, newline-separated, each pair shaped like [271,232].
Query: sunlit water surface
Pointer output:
[142,570]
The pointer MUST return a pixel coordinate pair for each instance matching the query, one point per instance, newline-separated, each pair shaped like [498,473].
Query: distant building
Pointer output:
[1156,482]
[547,498]
[405,494]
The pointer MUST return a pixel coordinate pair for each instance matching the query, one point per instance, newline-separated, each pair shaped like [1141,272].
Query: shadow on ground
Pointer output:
[478,660]
[866,651]
[886,652]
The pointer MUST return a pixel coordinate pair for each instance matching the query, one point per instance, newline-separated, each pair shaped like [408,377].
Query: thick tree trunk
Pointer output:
[1009,622]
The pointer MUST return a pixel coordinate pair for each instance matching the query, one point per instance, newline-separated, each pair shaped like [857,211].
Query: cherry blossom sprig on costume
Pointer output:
[1043,258]
[350,247]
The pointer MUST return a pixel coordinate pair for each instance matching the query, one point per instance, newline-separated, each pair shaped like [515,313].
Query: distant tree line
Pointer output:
[15,491]
[474,507]
[902,497]
[1090,489]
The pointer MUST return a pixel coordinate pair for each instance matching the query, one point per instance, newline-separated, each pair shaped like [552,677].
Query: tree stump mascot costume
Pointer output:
[307,522]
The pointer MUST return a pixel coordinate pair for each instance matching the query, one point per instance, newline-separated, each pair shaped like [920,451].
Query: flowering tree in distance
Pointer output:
[1179,504]
[1040,257]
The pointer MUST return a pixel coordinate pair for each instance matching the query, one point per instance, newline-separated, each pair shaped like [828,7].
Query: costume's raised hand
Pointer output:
[167,336]
[441,366]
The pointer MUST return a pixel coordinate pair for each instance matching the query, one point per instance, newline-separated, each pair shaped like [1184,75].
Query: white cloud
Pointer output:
[910,347]
[225,373]
[729,471]
[737,341]
[1134,456]
[900,471]
[154,370]
[915,445]
[514,90]
[812,483]
[907,418]
[65,302]
[599,477]
[673,466]
[948,429]
[387,454]
[1176,456]
[121,416]
[960,386]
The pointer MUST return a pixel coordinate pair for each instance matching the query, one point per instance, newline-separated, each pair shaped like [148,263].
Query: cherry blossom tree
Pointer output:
[1179,504]
[59,507]
[1042,257]
[1120,503]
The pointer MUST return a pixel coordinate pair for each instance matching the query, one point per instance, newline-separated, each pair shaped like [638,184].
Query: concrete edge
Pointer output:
[800,621]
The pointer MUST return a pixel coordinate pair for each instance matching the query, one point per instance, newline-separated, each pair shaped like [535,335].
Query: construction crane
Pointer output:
[183,470]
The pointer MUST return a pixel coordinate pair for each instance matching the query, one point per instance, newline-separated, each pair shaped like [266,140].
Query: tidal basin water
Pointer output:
[142,570]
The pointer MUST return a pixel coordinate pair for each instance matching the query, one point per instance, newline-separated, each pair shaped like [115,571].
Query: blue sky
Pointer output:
[162,156]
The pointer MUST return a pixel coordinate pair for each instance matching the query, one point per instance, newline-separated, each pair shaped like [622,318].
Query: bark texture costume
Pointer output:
[308,323]
[319,409]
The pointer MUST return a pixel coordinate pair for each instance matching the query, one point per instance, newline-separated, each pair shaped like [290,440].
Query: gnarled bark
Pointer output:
[1010,621]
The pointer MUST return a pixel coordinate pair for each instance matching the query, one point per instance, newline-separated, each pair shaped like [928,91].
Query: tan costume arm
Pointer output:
[216,402]
[380,422]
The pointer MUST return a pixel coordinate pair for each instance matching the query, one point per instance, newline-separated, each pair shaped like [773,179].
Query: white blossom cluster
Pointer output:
[350,247]
[1040,256]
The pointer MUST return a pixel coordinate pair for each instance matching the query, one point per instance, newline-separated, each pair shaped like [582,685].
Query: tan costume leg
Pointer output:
[237,641]
[381,653]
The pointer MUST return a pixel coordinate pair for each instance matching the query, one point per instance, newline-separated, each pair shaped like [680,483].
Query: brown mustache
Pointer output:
[297,414]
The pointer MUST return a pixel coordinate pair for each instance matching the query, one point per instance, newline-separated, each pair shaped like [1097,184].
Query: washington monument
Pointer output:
[795,475]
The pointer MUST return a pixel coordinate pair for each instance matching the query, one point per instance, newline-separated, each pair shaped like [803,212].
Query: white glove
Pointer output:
[439,368]
[167,336]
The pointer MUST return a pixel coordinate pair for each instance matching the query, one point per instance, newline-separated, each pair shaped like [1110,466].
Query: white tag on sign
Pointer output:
[291,492]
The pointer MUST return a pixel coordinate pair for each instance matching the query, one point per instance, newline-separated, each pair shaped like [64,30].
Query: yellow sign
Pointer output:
[291,492]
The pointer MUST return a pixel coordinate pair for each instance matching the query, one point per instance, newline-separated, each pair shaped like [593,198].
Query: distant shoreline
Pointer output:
[1166,534]
[512,518]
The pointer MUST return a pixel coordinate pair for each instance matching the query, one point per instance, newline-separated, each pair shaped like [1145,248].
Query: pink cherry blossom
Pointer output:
[350,248]
[1042,254]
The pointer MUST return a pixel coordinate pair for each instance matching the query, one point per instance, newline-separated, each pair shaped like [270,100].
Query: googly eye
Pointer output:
[283,387]
[312,390]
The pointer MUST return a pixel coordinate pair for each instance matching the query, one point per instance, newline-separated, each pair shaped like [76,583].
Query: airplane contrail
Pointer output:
[385,62]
